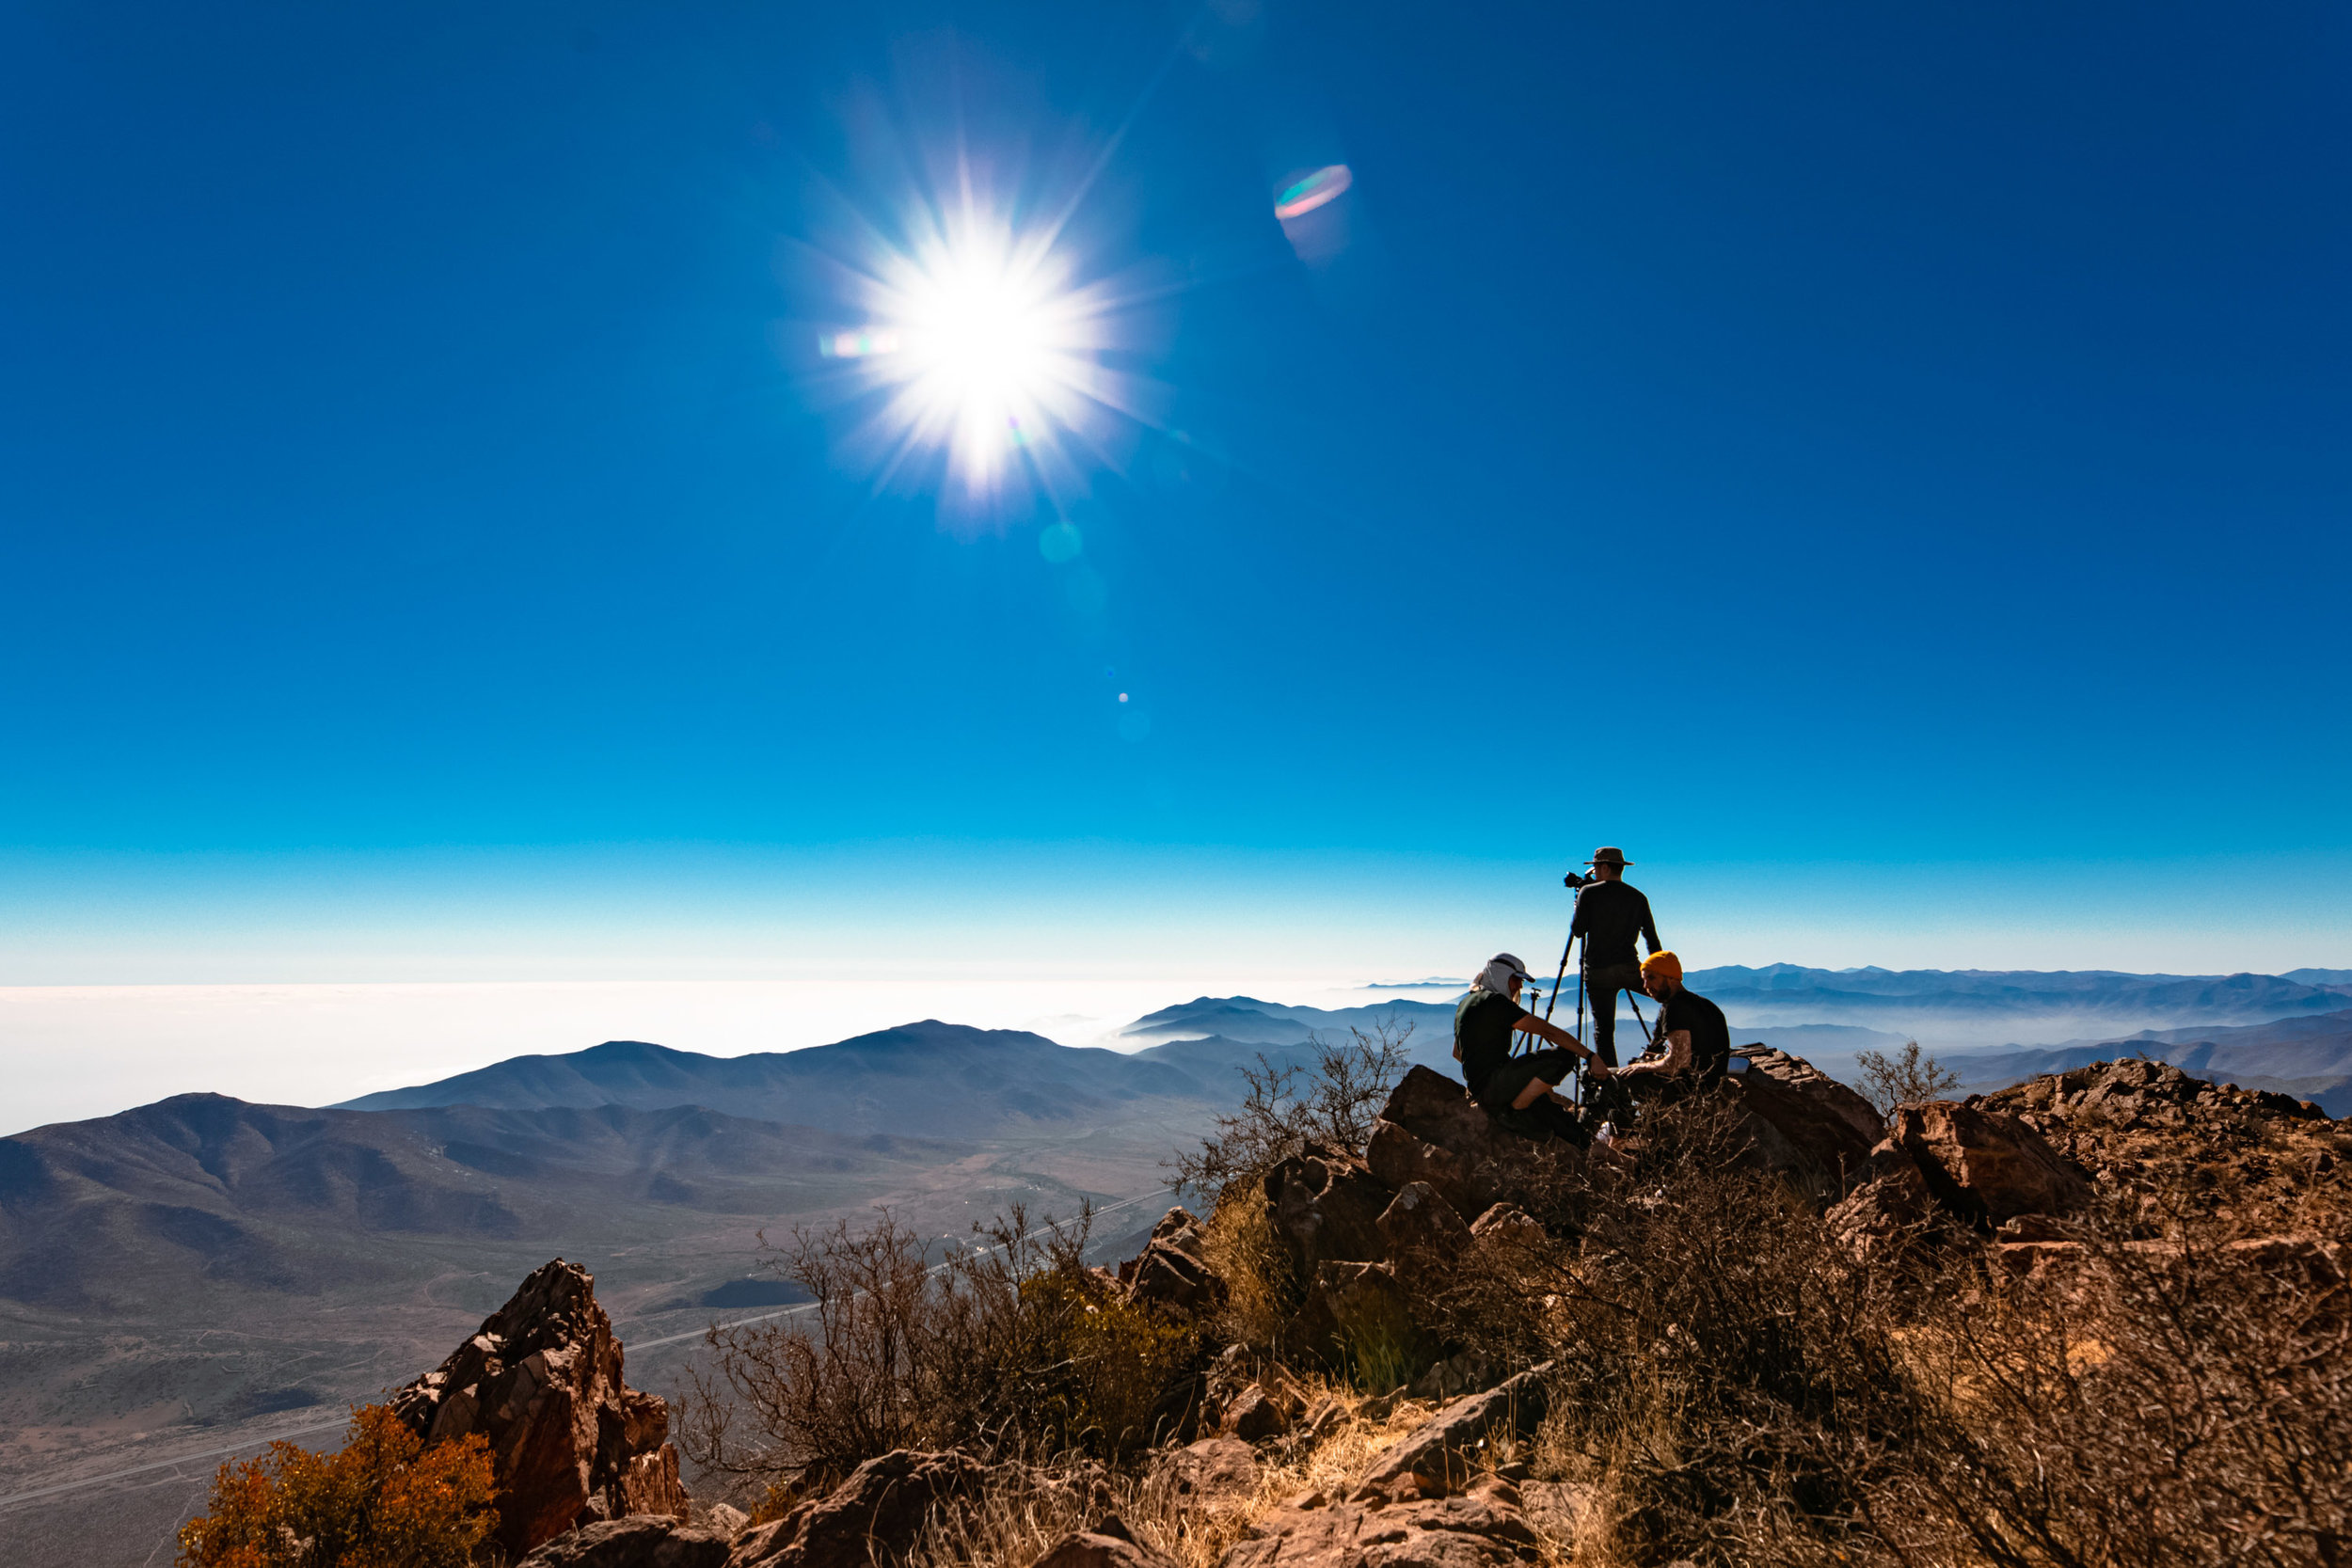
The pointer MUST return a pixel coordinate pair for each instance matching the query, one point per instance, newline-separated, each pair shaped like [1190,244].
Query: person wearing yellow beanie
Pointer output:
[1692,1047]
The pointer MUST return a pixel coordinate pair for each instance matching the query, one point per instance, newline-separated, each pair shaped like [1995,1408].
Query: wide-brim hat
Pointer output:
[1608,854]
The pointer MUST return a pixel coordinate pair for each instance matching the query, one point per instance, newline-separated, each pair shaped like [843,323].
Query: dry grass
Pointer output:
[1022,1513]
[1241,1246]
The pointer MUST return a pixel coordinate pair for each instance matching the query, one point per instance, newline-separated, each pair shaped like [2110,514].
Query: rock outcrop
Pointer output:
[638,1541]
[571,1444]
[1173,1270]
[1432,1132]
[875,1515]
[1108,1544]
[1327,1207]
[1418,1222]
[1986,1167]
[2133,1125]
[1444,1449]
[1801,1120]
[1485,1527]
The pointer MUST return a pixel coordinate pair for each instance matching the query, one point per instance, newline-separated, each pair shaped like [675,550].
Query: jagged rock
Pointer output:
[1419,1224]
[1326,1207]
[875,1514]
[1483,1528]
[1890,1202]
[1508,1225]
[2142,1125]
[726,1519]
[1556,1509]
[1984,1166]
[1108,1546]
[1356,1315]
[1450,1379]
[1255,1416]
[1431,1131]
[1164,1274]
[1811,1121]
[1398,1160]
[637,1540]
[1438,1450]
[570,1442]
[1214,1467]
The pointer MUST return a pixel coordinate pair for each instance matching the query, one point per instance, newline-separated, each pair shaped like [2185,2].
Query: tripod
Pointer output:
[1575,946]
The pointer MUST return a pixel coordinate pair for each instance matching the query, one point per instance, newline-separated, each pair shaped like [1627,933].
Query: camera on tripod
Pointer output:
[1574,880]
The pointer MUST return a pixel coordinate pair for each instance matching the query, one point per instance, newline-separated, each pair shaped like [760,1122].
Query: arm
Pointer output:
[1530,1024]
[1650,926]
[1677,1059]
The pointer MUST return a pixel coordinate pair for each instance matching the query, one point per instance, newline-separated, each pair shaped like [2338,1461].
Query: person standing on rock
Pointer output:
[1518,1092]
[1610,913]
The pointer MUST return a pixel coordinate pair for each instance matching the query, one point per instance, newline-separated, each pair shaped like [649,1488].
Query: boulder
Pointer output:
[1509,1227]
[875,1514]
[1432,1131]
[727,1520]
[1398,1160]
[1212,1467]
[1817,1124]
[1420,1224]
[636,1541]
[1440,1449]
[1255,1416]
[1326,1207]
[570,1442]
[1357,1316]
[1483,1528]
[1106,1546]
[1165,1275]
[1985,1166]
[1890,1202]
[1463,1373]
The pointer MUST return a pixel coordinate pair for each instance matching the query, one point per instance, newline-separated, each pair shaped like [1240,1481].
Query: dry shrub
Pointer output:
[1021,1512]
[1734,1387]
[1241,1246]
[2180,1400]
[383,1500]
[1011,1347]
[1336,1106]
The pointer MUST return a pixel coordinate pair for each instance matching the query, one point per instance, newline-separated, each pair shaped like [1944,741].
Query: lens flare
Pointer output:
[1321,188]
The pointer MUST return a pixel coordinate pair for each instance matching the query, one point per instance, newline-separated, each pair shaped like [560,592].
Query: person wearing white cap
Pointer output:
[1518,1091]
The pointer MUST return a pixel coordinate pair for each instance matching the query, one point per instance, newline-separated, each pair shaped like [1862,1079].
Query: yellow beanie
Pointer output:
[1662,963]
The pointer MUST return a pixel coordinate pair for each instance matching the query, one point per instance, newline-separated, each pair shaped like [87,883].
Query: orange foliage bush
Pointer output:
[384,1501]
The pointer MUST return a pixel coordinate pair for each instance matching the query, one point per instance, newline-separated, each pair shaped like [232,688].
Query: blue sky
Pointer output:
[1850,455]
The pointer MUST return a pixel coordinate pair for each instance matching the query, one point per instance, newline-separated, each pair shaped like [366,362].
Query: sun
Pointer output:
[986,348]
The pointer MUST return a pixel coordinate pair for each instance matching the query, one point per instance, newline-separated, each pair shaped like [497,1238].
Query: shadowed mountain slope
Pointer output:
[929,1079]
[282,1199]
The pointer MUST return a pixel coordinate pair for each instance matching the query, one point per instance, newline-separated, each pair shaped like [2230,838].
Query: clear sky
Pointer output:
[1886,467]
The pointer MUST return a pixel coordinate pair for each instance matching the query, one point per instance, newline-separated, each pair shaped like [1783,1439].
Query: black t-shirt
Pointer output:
[1482,1027]
[1710,1036]
[1608,915]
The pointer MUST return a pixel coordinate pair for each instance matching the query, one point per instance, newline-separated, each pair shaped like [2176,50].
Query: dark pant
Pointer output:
[1542,1120]
[1602,982]
[1616,1100]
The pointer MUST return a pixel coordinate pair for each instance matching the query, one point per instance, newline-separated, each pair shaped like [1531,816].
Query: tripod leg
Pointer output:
[1640,1020]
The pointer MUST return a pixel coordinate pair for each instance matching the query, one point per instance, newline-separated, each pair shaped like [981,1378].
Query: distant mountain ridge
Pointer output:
[2309,1057]
[204,1190]
[928,1079]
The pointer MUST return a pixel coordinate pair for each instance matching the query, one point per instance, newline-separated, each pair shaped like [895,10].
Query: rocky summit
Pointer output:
[571,1444]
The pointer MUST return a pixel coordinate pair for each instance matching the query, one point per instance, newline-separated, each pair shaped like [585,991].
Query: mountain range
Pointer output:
[209,1268]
